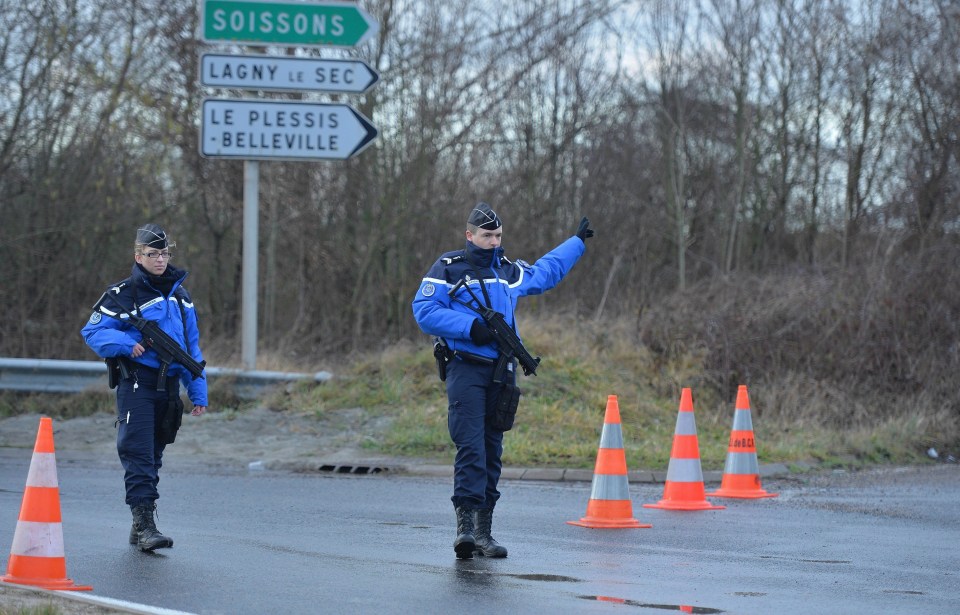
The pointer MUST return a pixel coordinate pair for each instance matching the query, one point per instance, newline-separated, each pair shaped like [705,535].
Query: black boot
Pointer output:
[465,542]
[148,536]
[486,545]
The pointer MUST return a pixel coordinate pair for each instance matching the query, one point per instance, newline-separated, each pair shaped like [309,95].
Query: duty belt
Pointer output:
[469,357]
[502,365]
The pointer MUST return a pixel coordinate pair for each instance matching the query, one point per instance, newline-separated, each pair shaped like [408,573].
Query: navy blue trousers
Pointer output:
[472,395]
[141,454]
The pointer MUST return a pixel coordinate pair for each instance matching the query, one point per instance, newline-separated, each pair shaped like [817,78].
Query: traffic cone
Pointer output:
[609,505]
[37,557]
[684,485]
[741,472]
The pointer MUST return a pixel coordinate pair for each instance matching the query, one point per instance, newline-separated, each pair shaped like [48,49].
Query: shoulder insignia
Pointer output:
[449,260]
[522,263]
[428,289]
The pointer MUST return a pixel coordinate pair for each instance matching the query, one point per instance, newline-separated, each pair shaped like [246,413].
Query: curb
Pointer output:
[30,599]
[406,467]
[534,474]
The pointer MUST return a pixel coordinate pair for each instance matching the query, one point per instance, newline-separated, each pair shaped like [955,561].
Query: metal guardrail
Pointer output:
[60,376]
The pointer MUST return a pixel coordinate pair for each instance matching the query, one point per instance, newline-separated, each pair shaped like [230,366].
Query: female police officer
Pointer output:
[473,384]
[147,392]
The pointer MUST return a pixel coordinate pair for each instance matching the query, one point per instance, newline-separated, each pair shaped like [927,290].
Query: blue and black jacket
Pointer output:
[110,337]
[505,281]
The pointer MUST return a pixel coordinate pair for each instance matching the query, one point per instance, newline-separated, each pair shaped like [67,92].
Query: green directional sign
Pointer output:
[288,23]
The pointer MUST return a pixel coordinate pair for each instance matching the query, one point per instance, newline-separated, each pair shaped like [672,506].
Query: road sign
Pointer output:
[282,130]
[260,72]
[288,23]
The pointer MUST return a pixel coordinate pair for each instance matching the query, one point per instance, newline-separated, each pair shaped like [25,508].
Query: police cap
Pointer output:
[153,236]
[483,216]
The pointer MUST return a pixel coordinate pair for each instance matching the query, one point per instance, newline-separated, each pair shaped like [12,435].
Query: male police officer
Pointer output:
[473,384]
[148,392]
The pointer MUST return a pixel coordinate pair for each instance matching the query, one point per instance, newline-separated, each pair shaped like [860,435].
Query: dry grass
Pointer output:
[806,407]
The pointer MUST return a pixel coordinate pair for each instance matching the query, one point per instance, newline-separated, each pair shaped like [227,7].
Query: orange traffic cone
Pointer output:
[741,472]
[684,485]
[609,505]
[37,557]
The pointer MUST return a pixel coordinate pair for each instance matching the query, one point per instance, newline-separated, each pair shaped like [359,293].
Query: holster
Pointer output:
[441,352]
[168,422]
[117,369]
[505,410]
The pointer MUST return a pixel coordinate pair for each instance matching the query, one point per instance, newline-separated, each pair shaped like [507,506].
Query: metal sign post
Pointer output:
[251,242]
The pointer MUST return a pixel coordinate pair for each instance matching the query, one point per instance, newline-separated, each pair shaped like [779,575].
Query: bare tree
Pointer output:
[866,110]
[736,24]
[929,48]
[669,41]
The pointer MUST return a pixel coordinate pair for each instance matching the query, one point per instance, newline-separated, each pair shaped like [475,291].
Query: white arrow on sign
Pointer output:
[282,130]
[263,72]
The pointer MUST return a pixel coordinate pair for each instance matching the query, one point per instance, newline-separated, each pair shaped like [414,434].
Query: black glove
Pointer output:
[480,334]
[584,232]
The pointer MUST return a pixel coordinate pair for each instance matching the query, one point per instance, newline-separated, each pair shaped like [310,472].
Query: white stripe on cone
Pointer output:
[43,470]
[37,539]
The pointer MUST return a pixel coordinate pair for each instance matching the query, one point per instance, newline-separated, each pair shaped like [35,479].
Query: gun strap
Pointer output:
[483,287]
[183,316]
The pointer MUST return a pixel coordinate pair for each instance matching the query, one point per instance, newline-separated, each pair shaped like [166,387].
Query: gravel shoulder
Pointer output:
[278,440]
[18,599]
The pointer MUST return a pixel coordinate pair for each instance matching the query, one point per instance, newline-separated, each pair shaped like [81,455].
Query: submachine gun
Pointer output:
[506,338]
[167,348]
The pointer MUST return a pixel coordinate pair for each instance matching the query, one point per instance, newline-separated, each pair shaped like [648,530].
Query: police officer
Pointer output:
[473,386]
[153,291]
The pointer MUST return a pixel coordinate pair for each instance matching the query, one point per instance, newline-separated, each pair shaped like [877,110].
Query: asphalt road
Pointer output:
[866,542]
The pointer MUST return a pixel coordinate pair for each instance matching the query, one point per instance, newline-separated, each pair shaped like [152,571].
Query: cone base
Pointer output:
[596,523]
[679,505]
[746,494]
[54,584]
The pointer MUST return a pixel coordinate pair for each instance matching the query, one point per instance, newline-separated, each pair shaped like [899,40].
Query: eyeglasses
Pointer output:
[154,255]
